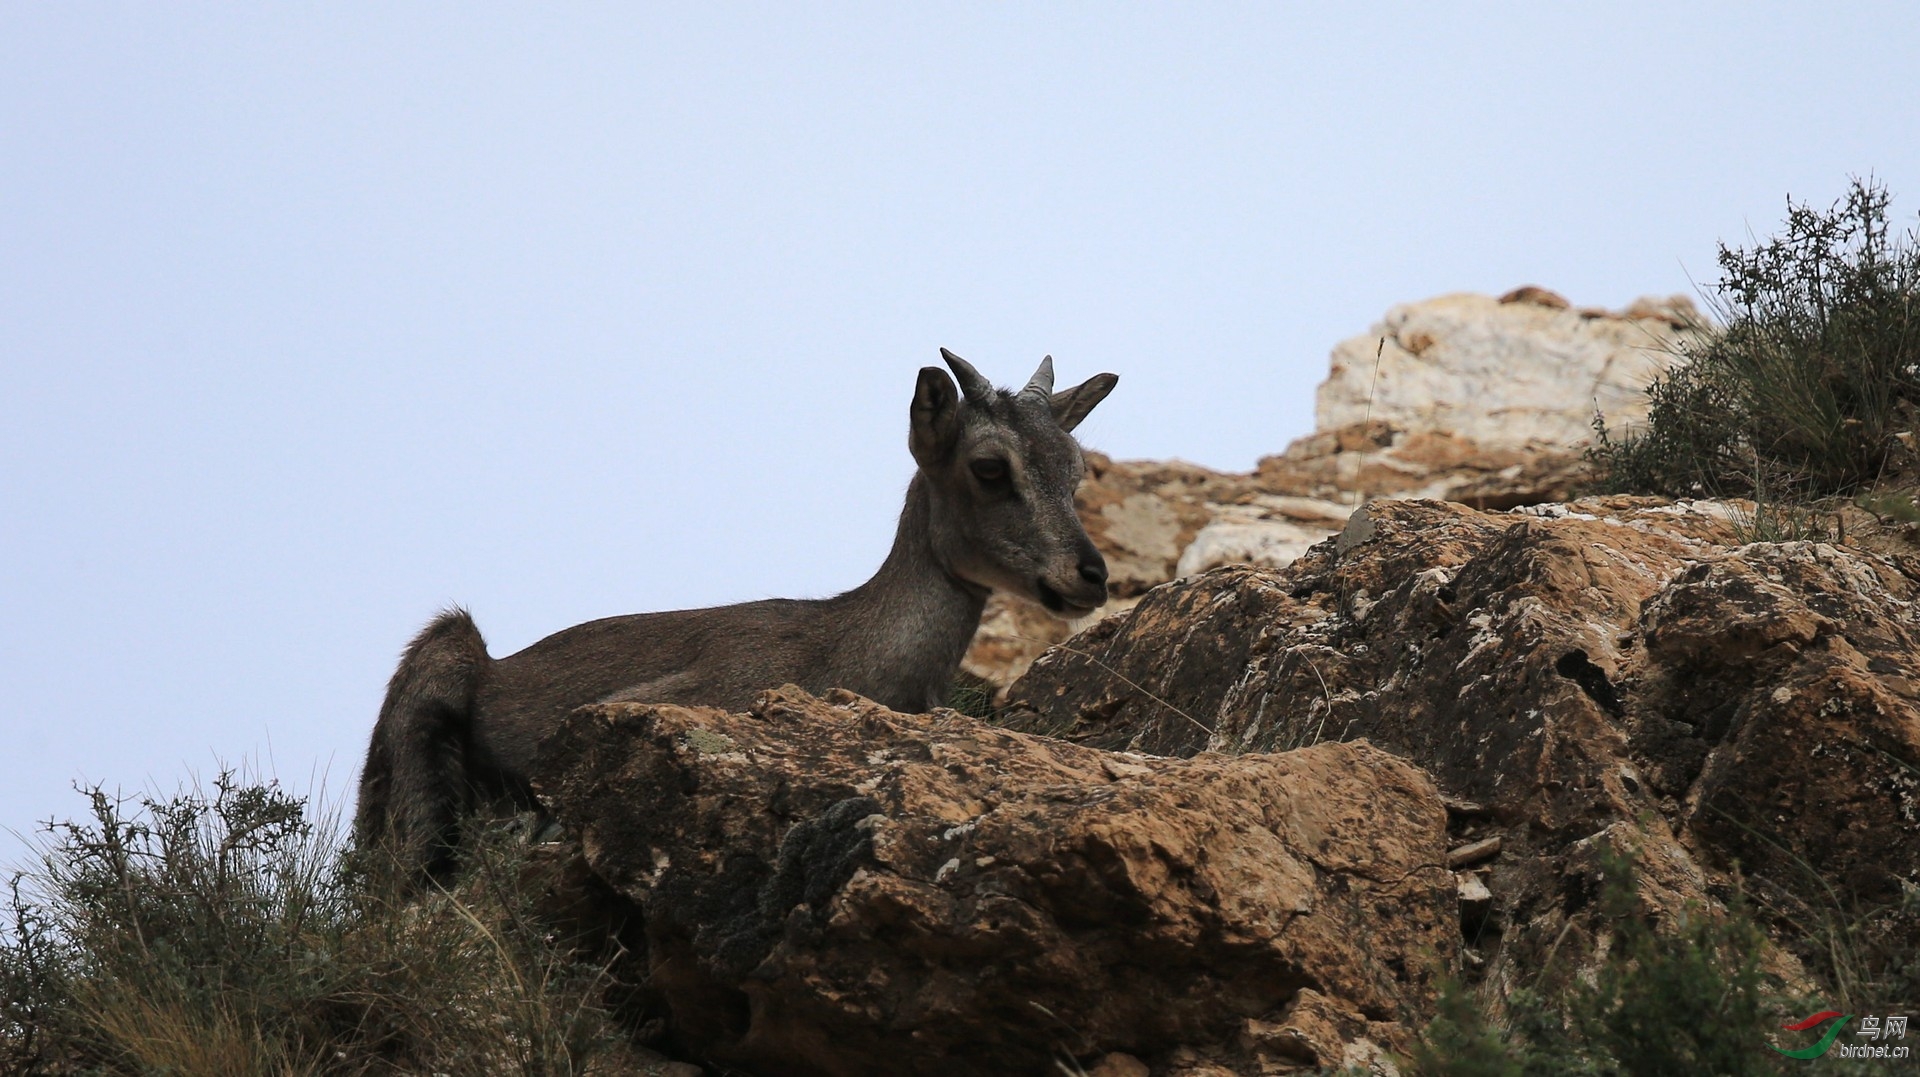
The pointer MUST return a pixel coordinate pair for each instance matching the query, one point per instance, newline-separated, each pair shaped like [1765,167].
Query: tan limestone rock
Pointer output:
[829,887]
[1610,674]
[1521,372]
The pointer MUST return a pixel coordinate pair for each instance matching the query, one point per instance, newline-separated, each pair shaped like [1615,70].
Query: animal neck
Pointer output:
[911,623]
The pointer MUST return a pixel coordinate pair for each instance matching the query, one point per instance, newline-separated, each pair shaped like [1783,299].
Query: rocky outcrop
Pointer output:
[827,887]
[1524,371]
[1389,704]
[1611,672]
[1241,828]
[1483,401]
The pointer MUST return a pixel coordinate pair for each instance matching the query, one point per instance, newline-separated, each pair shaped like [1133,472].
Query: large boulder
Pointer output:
[828,887]
[1520,372]
[1612,672]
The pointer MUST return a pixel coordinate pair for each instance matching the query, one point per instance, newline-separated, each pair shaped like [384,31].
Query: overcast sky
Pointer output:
[316,318]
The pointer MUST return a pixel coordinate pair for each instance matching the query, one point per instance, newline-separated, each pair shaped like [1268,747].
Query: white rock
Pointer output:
[1261,534]
[1505,374]
[1142,536]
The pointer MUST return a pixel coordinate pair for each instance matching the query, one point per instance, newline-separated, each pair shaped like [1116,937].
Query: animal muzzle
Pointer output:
[1084,592]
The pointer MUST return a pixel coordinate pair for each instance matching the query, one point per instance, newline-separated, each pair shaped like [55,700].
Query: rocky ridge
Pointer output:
[1610,674]
[1487,402]
[1377,712]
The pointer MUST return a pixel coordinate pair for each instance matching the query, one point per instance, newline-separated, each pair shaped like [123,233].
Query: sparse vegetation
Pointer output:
[230,932]
[1816,372]
[1776,521]
[1859,950]
[1688,997]
[972,696]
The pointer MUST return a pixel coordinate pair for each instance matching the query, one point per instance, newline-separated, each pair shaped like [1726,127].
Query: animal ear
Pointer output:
[936,416]
[1071,405]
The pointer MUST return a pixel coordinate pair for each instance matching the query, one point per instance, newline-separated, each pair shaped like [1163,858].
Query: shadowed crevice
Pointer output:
[1576,667]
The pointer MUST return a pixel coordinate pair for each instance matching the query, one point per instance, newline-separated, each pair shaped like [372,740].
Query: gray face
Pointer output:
[1001,469]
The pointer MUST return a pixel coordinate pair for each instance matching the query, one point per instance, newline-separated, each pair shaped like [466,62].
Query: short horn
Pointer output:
[972,385]
[1042,383]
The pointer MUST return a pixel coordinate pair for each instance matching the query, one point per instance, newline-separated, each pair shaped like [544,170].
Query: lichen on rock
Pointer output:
[1614,670]
[983,901]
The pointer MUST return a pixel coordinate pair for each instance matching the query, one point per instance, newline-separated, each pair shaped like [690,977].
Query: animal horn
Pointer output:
[975,387]
[1042,383]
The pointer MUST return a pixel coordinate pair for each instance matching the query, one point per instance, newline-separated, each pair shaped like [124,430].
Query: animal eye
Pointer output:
[989,470]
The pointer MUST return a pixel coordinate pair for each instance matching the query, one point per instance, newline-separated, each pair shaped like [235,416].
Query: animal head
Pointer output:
[1001,468]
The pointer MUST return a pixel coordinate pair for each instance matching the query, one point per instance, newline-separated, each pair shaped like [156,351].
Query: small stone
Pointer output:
[1119,1064]
[1474,852]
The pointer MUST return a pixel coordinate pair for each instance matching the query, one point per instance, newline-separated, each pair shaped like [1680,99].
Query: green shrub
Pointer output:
[230,933]
[1687,999]
[1817,368]
[1461,1042]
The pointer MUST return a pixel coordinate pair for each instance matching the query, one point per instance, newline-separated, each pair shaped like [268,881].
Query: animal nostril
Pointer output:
[1094,572]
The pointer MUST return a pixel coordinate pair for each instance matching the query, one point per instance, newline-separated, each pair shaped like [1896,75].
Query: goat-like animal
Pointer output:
[990,507]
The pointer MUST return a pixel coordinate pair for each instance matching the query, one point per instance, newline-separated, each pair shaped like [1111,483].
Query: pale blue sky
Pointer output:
[315,318]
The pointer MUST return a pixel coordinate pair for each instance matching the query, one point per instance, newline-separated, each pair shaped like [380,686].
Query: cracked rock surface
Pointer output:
[828,887]
[1607,673]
